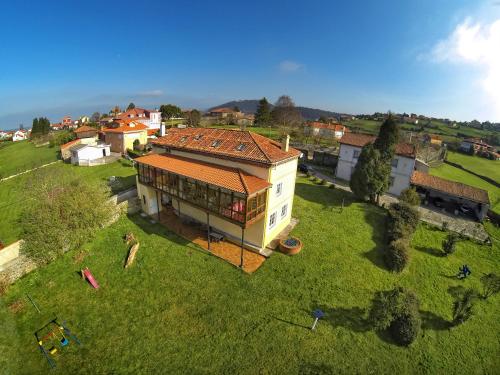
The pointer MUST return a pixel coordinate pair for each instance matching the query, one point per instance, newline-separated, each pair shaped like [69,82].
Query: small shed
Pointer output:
[83,154]
[456,195]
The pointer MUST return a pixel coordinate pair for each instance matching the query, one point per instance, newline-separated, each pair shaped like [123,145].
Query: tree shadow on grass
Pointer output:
[430,250]
[353,318]
[291,323]
[431,321]
[306,368]
[376,254]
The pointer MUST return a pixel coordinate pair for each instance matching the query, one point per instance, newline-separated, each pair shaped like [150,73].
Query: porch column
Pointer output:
[208,230]
[242,238]
[158,204]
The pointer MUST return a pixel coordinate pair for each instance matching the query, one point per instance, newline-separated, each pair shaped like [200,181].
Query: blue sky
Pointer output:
[433,57]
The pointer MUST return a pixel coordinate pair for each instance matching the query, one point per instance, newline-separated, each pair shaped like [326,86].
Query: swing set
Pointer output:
[52,338]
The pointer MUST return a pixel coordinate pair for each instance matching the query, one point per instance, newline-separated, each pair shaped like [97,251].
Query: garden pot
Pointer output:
[290,246]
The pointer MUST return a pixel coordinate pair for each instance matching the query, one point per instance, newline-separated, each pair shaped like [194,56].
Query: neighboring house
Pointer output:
[19,135]
[57,127]
[402,165]
[67,122]
[152,119]
[4,135]
[222,113]
[432,139]
[319,129]
[123,134]
[477,145]
[455,193]
[239,183]
[86,132]
[85,154]
[66,149]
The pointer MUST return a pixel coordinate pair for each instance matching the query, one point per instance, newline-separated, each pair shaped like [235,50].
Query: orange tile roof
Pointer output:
[85,128]
[127,128]
[152,131]
[70,143]
[239,145]
[233,179]
[321,125]
[449,187]
[360,140]
[222,110]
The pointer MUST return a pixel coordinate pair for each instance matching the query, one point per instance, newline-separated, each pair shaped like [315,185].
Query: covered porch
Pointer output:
[219,208]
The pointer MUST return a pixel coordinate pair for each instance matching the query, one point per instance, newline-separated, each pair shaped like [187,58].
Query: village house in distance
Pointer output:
[238,183]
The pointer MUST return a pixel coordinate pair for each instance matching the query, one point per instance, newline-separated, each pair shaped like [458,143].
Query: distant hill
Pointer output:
[250,106]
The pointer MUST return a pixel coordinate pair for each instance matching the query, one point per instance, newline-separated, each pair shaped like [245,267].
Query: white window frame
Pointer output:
[284,209]
[272,222]
[356,154]
[279,188]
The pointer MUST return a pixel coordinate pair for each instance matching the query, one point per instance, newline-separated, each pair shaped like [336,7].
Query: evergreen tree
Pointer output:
[131,106]
[263,114]
[35,128]
[387,139]
[369,177]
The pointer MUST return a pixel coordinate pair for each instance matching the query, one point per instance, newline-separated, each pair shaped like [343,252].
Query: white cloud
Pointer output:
[475,44]
[288,66]
[151,93]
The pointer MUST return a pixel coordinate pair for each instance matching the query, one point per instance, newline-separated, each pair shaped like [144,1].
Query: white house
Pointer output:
[20,135]
[85,154]
[239,183]
[403,163]
[319,129]
[152,119]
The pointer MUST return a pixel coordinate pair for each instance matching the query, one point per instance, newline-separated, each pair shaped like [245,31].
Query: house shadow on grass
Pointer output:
[431,321]
[328,198]
[430,250]
[157,229]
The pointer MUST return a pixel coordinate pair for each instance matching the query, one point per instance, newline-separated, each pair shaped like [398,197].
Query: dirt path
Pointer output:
[29,170]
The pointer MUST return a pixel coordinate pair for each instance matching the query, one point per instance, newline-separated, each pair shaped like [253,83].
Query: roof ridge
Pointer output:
[257,144]
[245,186]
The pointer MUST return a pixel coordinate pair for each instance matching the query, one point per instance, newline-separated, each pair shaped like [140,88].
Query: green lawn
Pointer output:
[180,310]
[272,133]
[17,157]
[455,174]
[11,192]
[482,166]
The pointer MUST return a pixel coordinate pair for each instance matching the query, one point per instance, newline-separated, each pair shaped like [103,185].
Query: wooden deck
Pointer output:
[225,250]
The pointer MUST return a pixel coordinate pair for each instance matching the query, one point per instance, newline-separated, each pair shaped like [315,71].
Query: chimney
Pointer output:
[285,143]
[162,129]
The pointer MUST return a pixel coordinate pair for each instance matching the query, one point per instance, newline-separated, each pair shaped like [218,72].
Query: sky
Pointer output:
[432,57]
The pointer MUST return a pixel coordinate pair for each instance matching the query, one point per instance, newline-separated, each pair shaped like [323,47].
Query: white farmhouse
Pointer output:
[87,154]
[403,163]
[150,118]
[20,135]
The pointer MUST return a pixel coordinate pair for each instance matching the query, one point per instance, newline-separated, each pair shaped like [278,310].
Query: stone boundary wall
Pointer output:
[9,253]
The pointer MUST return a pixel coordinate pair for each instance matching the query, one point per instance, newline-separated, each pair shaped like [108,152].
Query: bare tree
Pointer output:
[285,115]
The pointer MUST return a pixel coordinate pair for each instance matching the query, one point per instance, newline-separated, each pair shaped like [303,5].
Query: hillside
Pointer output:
[250,106]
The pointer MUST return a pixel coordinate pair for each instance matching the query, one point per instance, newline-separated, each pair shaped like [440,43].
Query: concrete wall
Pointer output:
[10,252]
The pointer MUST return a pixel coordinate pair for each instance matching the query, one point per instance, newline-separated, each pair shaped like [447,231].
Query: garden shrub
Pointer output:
[331,186]
[463,307]
[402,221]
[410,196]
[397,310]
[397,255]
[323,182]
[449,244]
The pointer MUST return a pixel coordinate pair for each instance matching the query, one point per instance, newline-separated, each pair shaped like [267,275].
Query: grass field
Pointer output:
[482,166]
[455,174]
[180,310]
[12,190]
[17,157]
[272,133]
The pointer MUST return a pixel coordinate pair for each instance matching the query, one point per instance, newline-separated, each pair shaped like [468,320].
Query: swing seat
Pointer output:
[64,341]
[53,350]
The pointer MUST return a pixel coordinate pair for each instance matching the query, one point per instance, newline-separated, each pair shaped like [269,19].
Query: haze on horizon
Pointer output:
[435,58]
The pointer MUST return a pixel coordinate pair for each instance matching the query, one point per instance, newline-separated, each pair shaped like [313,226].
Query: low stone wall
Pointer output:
[9,253]
[487,179]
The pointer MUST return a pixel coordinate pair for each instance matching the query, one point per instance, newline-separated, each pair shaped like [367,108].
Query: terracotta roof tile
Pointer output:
[127,127]
[360,140]
[321,125]
[233,179]
[222,110]
[449,187]
[70,143]
[235,144]
[85,128]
